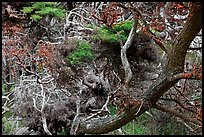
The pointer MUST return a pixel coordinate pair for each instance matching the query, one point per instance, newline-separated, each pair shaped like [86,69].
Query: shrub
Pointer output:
[106,35]
[109,36]
[37,10]
[125,26]
[83,51]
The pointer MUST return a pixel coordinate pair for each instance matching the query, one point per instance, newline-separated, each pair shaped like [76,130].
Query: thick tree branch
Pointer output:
[176,58]
[181,44]
[188,75]
[179,103]
[175,113]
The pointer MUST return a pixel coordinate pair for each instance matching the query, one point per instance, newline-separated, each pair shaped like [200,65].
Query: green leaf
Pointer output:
[42,9]
[38,5]
[45,11]
[27,9]
[83,51]
[35,17]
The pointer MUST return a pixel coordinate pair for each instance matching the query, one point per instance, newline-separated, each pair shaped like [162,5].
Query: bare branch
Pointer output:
[125,63]
[198,48]
[45,125]
[139,107]
[186,125]
[75,122]
[104,108]
[175,113]
[42,111]
[188,75]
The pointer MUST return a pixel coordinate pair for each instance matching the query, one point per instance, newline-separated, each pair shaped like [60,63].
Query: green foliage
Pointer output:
[83,51]
[7,113]
[90,26]
[3,88]
[112,110]
[37,10]
[143,125]
[36,17]
[125,26]
[110,36]
[155,32]
[61,132]
[106,35]
[140,126]
[27,9]
[6,126]
[193,56]
[9,125]
[94,38]
[171,128]
[122,35]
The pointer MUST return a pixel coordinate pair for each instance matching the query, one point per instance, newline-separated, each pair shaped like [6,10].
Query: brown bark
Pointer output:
[175,113]
[175,63]
[180,46]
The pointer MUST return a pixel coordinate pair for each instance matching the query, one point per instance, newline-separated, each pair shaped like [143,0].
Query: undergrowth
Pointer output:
[144,125]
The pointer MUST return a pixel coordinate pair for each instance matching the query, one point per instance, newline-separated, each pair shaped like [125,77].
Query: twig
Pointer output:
[42,110]
[104,108]
[175,113]
[31,72]
[45,125]
[197,48]
[34,103]
[139,107]
[117,89]
[75,123]
[190,128]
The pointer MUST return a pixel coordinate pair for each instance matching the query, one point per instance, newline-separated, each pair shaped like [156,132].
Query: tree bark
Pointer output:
[124,59]
[175,64]
[180,46]
[175,113]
